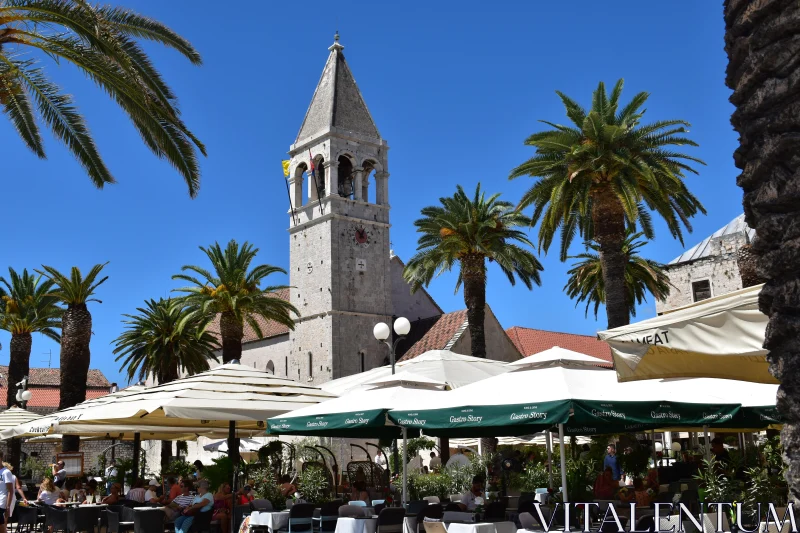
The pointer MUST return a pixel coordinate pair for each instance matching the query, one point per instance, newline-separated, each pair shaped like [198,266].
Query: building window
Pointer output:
[270,367]
[310,365]
[701,290]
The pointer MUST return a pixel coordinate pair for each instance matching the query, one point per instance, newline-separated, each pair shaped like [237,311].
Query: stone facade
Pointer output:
[498,344]
[416,306]
[717,264]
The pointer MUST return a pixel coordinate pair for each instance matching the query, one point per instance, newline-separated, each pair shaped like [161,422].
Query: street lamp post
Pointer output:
[23,394]
[381,331]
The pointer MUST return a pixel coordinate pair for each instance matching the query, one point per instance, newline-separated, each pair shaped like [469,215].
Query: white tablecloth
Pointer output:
[274,521]
[410,524]
[357,525]
[505,527]
[481,527]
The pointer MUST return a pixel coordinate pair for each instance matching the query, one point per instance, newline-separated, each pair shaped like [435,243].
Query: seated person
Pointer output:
[90,490]
[468,502]
[223,501]
[76,493]
[605,485]
[201,503]
[652,480]
[286,487]
[151,494]
[48,493]
[137,492]
[115,496]
[640,493]
[245,495]
[174,489]
[180,502]
[360,492]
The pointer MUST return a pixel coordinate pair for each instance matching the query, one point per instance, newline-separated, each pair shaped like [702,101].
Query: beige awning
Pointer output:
[204,404]
[14,416]
[720,337]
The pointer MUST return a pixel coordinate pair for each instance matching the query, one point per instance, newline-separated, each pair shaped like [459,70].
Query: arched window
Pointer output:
[346,177]
[316,183]
[270,367]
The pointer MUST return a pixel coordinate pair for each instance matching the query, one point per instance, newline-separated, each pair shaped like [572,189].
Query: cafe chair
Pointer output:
[27,518]
[351,511]
[358,503]
[300,518]
[429,512]
[261,505]
[56,519]
[328,516]
[82,519]
[431,499]
[495,512]
[528,522]
[149,521]
[115,525]
[390,520]
[239,512]
[202,522]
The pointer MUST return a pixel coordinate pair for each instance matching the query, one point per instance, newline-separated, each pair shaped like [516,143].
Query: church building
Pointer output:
[343,273]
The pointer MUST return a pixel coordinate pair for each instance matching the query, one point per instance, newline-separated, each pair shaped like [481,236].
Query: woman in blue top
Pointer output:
[202,503]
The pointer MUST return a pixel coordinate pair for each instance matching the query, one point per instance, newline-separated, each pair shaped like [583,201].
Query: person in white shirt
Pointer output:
[111,474]
[6,494]
[379,460]
[435,464]
[458,459]
[469,500]
[151,494]
[59,474]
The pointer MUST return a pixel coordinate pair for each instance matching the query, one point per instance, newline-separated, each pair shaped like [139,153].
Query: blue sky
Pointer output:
[454,87]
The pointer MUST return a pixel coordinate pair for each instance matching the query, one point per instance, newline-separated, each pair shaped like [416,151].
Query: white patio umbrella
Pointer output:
[14,416]
[453,369]
[720,337]
[557,355]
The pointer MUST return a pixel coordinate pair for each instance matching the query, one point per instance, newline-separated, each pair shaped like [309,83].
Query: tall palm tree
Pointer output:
[75,292]
[161,341]
[762,40]
[232,290]
[102,42]
[468,232]
[642,275]
[606,172]
[27,307]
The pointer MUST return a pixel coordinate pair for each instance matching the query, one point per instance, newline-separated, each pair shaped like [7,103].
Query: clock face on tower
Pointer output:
[361,236]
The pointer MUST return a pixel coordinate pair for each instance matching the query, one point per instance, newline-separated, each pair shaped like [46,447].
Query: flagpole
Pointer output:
[316,185]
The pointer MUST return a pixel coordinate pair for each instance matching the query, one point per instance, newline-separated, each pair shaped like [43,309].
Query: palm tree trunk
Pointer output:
[609,232]
[169,374]
[232,332]
[762,40]
[18,368]
[473,273]
[75,360]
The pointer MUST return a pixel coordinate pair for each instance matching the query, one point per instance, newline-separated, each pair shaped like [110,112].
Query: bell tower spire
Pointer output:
[339,244]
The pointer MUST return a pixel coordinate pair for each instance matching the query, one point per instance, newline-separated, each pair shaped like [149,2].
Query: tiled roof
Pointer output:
[51,377]
[703,248]
[46,399]
[444,333]
[269,328]
[530,341]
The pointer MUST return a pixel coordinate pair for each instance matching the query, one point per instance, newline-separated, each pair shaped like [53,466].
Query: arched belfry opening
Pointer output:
[316,183]
[346,177]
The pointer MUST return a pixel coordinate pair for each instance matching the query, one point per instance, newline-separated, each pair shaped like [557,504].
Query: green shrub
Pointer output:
[534,476]
[266,486]
[313,485]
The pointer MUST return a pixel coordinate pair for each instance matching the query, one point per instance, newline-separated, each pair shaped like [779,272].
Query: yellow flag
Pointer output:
[285,168]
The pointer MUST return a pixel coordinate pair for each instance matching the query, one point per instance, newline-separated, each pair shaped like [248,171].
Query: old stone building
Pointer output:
[709,268]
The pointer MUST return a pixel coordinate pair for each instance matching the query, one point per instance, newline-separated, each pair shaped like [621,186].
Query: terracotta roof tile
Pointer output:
[445,331]
[51,377]
[530,341]
[46,399]
[269,328]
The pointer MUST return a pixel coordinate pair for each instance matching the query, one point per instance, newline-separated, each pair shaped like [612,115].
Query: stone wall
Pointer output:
[498,345]
[720,268]
[412,306]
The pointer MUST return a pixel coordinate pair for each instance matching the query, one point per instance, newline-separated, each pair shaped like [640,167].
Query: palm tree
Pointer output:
[468,232]
[102,42]
[604,173]
[234,292]
[163,340]
[641,276]
[75,292]
[28,307]
[761,39]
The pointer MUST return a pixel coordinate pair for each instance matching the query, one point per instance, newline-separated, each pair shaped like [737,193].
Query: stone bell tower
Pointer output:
[338,232]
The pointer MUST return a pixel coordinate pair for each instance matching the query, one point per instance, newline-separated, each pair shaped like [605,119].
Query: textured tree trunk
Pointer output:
[473,274]
[748,266]
[762,39]
[232,332]
[18,368]
[75,360]
[609,232]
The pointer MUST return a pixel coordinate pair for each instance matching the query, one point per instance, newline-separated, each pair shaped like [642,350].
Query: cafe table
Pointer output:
[357,525]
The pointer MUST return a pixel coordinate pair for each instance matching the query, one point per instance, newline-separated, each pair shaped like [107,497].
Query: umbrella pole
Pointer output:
[233,453]
[563,464]
[706,444]
[405,467]
[137,448]
[653,446]
[549,441]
